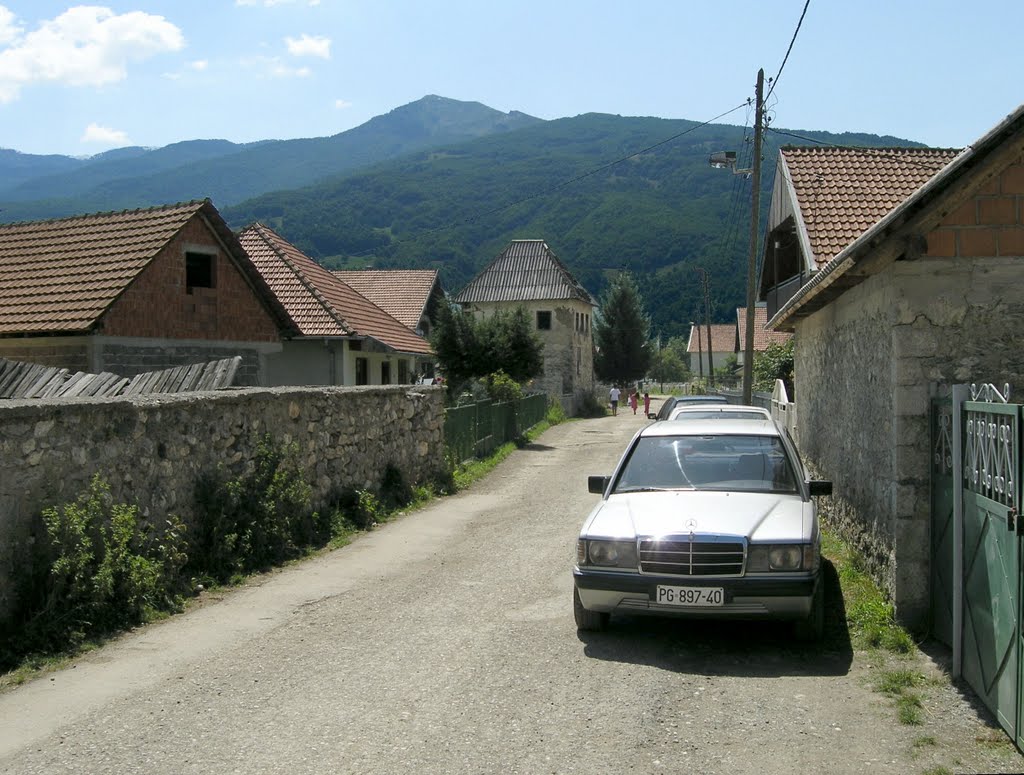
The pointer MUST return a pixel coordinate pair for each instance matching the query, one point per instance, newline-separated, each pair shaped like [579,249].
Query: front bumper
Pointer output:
[779,596]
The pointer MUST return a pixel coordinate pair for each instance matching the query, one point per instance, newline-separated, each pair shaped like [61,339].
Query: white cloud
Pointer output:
[342,104]
[9,31]
[199,65]
[103,135]
[84,46]
[309,46]
[275,67]
[272,3]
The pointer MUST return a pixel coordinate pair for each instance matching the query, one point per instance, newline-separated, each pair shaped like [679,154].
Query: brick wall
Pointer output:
[46,351]
[156,304]
[990,224]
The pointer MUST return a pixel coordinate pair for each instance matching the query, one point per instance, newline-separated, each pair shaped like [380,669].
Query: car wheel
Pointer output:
[587,621]
[812,628]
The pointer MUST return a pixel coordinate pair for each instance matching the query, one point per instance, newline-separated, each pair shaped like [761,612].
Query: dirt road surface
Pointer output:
[443,642]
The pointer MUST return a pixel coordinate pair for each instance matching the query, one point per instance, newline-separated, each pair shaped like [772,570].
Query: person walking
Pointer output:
[647,404]
[632,400]
[613,397]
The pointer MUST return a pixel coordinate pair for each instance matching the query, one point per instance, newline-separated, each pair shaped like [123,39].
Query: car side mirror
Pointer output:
[652,415]
[598,484]
[820,487]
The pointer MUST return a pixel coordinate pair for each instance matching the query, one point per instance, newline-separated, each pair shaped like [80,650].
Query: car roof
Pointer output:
[717,427]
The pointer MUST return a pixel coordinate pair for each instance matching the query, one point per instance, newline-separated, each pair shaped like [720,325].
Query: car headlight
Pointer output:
[763,558]
[607,554]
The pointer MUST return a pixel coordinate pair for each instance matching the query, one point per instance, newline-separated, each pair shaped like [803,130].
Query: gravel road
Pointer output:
[443,642]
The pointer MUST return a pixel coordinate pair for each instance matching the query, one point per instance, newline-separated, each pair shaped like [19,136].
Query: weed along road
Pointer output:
[444,642]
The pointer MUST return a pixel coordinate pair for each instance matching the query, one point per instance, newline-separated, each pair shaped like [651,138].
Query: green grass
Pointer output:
[870,617]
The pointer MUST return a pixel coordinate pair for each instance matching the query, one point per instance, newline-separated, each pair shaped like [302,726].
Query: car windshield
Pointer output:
[710,462]
[711,414]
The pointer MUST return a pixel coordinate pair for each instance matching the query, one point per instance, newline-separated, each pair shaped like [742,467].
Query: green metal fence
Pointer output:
[476,430]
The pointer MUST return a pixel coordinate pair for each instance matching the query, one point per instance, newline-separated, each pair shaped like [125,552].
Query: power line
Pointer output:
[775,80]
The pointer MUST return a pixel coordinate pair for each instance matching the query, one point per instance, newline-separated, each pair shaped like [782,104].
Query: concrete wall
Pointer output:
[151,449]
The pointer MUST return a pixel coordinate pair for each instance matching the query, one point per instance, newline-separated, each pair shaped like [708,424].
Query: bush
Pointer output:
[100,570]
[501,387]
[258,520]
[591,407]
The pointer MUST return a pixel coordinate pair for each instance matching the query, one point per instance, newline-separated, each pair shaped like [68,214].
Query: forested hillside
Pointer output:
[53,187]
[659,213]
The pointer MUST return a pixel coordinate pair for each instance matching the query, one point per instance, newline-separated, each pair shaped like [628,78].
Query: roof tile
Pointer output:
[844,191]
[526,270]
[318,303]
[402,293]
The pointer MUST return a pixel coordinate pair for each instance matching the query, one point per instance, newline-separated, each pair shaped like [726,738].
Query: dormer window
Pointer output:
[544,321]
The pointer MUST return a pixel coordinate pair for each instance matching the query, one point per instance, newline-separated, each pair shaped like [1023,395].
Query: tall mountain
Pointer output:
[606,193]
[227,172]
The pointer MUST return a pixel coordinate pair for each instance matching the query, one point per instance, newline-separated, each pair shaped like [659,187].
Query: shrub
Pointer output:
[258,520]
[100,570]
[501,387]
[591,407]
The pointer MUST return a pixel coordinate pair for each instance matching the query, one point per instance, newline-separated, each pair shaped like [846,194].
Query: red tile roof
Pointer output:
[723,338]
[318,303]
[762,335]
[61,275]
[402,293]
[844,191]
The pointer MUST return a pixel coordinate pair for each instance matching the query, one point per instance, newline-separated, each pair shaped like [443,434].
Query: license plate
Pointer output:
[701,597]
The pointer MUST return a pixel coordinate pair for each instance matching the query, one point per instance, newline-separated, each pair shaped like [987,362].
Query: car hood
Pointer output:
[757,516]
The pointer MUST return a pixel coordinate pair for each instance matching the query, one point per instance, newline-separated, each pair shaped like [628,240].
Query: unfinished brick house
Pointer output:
[135,291]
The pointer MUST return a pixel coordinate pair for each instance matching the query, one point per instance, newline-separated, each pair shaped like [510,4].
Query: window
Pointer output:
[385,373]
[544,321]
[199,271]
[362,372]
[403,372]
[355,344]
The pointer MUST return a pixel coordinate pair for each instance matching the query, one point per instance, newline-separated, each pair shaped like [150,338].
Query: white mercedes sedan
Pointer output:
[704,518]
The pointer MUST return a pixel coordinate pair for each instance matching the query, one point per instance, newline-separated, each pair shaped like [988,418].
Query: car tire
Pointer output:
[587,621]
[813,627]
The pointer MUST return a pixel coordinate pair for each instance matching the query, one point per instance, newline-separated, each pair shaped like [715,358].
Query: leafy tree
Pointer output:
[454,341]
[621,332]
[776,362]
[667,367]
[469,349]
[507,340]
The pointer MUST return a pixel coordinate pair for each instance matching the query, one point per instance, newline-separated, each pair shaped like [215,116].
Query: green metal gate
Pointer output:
[977,543]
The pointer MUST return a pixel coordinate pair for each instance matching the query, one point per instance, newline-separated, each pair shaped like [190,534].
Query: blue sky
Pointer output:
[80,79]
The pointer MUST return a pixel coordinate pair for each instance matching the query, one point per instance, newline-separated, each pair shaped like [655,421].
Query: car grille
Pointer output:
[698,557]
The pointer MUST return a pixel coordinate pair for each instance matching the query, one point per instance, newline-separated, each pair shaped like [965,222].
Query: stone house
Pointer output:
[528,274]
[340,337]
[410,296]
[898,270]
[135,291]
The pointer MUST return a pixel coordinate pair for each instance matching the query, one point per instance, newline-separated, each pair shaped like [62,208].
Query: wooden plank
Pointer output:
[206,379]
[232,367]
[132,388]
[192,375]
[47,386]
[13,373]
[28,377]
[180,375]
[79,380]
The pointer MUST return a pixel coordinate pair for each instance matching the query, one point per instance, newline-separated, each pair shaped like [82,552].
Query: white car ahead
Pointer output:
[719,412]
[704,518]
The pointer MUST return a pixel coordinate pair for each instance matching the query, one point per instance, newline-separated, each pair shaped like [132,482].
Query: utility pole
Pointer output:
[707,320]
[755,219]
[700,349]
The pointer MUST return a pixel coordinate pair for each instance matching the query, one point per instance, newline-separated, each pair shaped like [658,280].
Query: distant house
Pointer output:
[763,336]
[134,291]
[411,296]
[723,347]
[527,273]
[341,337]
[899,272]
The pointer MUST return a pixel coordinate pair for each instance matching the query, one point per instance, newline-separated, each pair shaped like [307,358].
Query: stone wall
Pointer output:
[151,449]
[866,366]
